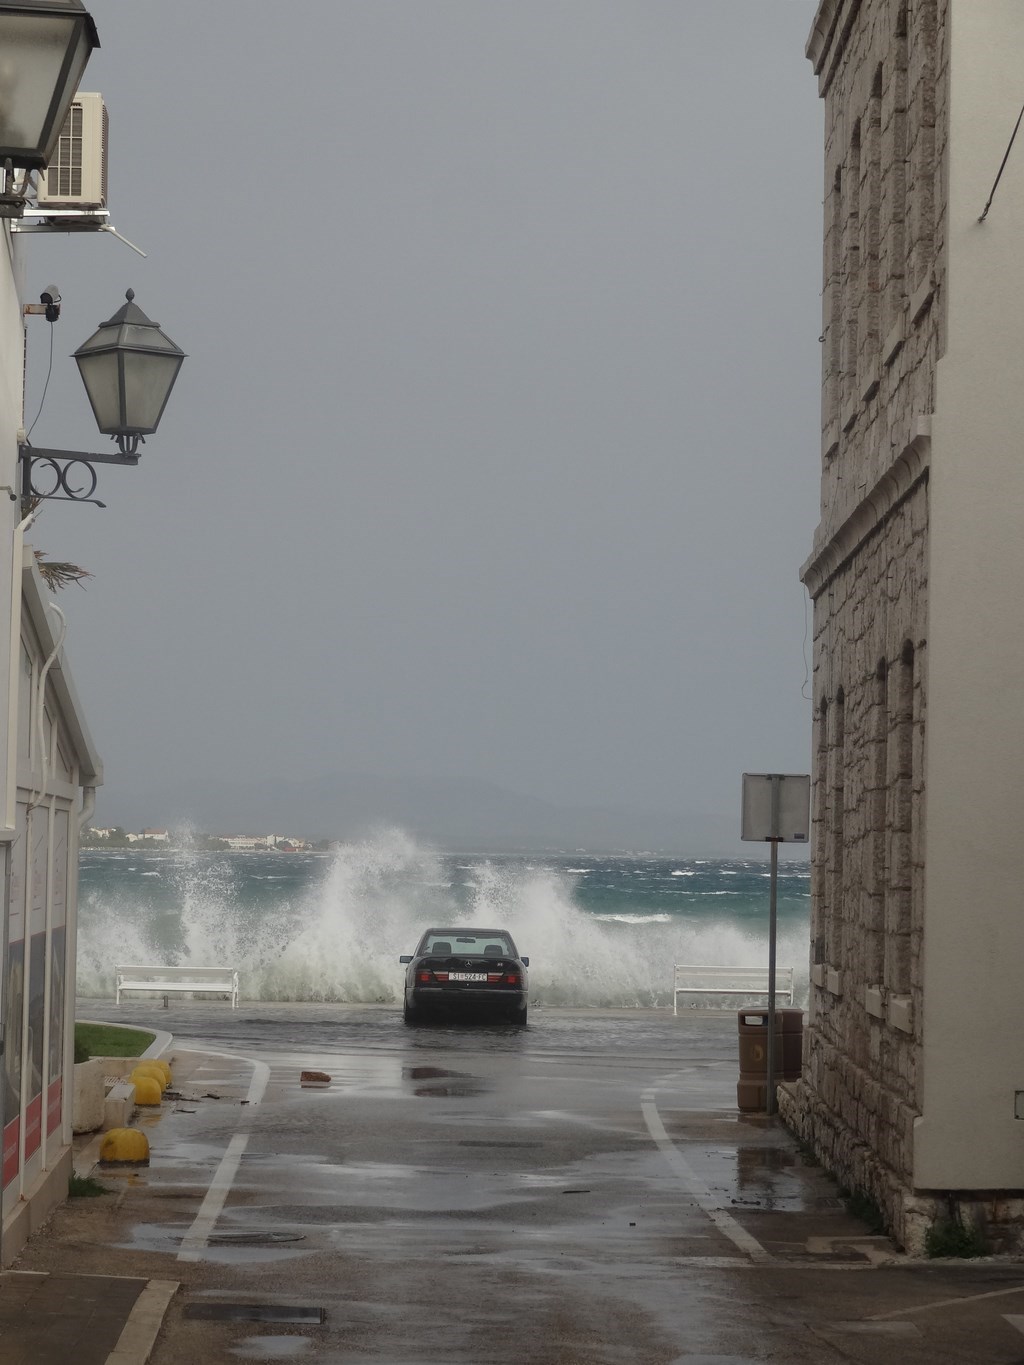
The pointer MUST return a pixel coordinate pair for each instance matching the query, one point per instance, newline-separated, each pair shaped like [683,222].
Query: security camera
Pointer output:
[50,298]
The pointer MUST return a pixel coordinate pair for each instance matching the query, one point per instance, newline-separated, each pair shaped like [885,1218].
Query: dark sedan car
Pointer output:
[466,971]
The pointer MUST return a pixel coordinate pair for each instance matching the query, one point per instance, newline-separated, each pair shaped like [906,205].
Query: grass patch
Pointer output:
[951,1237]
[109,1040]
[84,1187]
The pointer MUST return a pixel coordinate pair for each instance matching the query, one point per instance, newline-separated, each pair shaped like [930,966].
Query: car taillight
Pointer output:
[424,976]
[514,979]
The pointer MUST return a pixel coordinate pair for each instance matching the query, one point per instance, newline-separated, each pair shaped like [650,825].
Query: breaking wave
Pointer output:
[332,928]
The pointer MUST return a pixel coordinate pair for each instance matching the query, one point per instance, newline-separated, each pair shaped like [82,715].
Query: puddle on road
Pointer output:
[435,1082]
[767,1178]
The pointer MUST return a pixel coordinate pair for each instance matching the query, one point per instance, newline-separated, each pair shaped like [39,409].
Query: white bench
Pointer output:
[165,980]
[737,981]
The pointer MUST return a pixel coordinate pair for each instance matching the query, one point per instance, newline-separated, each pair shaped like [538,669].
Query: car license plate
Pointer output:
[467,976]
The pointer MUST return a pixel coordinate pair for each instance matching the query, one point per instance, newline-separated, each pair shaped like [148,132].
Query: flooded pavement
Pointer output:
[578,1192]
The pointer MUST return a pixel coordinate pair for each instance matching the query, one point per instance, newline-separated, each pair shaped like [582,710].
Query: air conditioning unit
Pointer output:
[76,177]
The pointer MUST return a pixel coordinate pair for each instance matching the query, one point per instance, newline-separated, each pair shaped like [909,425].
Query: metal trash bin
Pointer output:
[752,1086]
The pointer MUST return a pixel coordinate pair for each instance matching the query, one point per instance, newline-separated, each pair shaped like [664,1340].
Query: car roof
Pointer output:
[455,932]
[467,929]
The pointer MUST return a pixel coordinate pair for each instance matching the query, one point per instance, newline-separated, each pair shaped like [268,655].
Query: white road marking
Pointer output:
[949,1303]
[1015,1320]
[144,1322]
[696,1187]
[198,1235]
[260,1071]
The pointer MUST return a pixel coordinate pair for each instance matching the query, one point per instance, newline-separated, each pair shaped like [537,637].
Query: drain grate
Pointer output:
[255,1312]
[253,1239]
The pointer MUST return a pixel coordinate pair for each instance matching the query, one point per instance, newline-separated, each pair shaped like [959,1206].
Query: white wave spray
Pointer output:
[340,938]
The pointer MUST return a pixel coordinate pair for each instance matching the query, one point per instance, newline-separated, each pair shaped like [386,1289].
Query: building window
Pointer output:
[834,927]
[874,908]
[923,40]
[894,118]
[870,252]
[900,821]
[819,852]
[851,269]
[834,307]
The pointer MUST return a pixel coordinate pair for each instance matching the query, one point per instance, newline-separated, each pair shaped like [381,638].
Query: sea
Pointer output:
[600,931]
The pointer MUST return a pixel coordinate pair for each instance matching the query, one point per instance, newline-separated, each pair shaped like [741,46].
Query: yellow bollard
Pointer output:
[147,1089]
[161,1066]
[124,1147]
[151,1070]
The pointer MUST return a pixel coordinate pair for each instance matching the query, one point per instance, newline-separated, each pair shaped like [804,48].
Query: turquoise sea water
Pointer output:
[598,930]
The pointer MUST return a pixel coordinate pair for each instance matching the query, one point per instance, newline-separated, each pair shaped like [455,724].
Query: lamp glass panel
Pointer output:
[80,55]
[148,380]
[101,379]
[32,49]
[145,338]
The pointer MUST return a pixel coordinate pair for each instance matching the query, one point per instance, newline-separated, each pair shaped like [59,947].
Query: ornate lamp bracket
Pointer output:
[68,475]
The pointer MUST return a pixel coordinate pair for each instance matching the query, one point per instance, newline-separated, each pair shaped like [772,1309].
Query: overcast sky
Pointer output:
[496,452]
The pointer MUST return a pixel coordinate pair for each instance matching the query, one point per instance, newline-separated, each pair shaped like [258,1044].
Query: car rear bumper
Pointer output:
[468,998]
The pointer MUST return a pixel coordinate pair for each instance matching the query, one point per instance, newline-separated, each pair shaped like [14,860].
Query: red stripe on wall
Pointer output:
[33,1126]
[53,1105]
[10,1152]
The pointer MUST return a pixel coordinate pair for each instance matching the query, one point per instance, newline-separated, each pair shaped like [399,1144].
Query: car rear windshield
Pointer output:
[474,945]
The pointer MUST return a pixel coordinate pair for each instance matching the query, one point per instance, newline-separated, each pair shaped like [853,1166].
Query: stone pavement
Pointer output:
[88,1319]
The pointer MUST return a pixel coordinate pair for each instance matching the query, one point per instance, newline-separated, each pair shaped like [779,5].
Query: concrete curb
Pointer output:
[86,1157]
[160,1043]
[136,1342]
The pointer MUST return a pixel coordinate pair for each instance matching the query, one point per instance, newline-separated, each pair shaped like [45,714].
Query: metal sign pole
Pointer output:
[772,926]
[770,1099]
[775,814]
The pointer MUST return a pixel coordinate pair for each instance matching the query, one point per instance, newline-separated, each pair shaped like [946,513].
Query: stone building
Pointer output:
[913,1084]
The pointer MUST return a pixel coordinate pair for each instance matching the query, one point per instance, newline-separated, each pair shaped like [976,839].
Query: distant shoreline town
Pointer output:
[116,837]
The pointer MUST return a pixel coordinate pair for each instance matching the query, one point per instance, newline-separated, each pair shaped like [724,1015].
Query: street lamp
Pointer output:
[44,48]
[128,367]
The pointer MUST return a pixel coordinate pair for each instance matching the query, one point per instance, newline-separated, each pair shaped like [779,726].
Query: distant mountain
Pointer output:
[461,814]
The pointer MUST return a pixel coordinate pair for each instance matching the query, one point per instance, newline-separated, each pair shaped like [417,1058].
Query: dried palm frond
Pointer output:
[59,573]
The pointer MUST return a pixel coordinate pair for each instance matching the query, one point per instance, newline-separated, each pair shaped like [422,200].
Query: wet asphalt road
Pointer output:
[580,1192]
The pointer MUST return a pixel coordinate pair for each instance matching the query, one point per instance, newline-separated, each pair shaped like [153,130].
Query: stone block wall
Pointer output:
[882,76]
[881,66]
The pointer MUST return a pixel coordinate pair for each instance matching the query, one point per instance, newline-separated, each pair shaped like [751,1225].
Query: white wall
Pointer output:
[973,1034]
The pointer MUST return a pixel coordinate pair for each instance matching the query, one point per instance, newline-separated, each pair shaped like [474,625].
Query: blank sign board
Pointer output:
[776,806]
